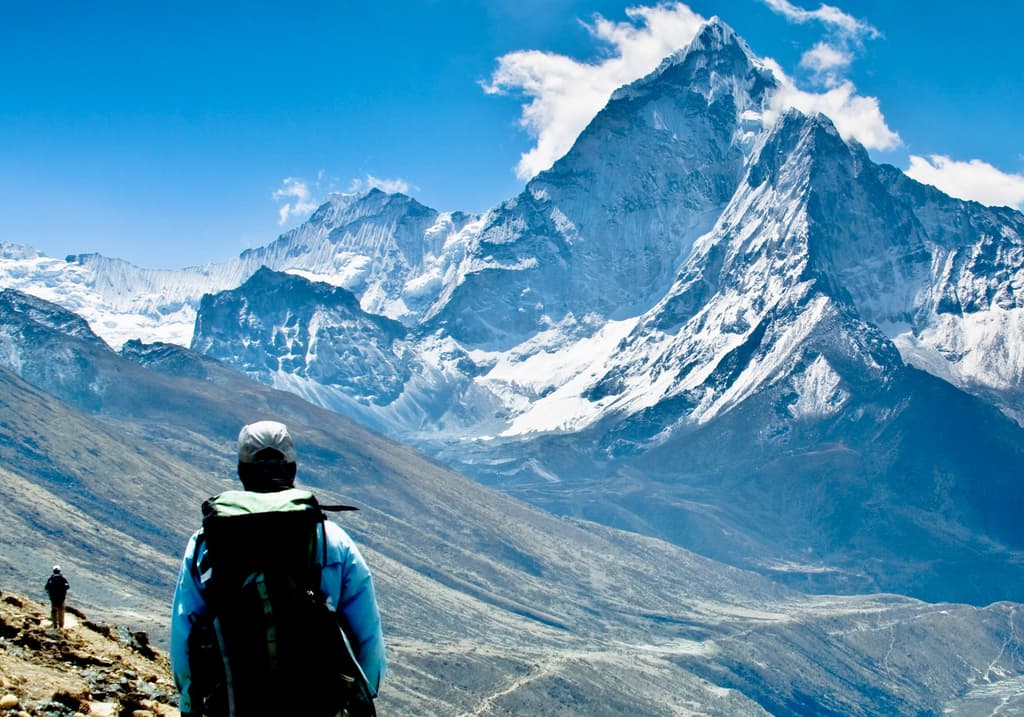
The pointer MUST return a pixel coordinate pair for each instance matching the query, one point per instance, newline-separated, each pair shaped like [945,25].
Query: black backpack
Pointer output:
[271,645]
[57,587]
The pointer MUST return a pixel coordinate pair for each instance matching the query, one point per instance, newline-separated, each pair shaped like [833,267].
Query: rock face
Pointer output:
[706,322]
[313,331]
[603,232]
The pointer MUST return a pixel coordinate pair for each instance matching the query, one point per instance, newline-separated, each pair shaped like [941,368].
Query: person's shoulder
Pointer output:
[336,534]
[341,548]
[195,543]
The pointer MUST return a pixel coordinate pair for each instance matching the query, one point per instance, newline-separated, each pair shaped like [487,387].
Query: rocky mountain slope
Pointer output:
[761,399]
[491,606]
[88,668]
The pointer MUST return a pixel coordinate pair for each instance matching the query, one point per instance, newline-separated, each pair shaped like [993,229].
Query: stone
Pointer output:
[71,701]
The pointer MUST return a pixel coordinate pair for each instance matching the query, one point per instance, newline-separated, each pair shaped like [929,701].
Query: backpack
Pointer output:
[57,587]
[272,646]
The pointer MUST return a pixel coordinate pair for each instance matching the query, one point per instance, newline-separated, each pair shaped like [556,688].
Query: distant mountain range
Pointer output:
[705,323]
[489,605]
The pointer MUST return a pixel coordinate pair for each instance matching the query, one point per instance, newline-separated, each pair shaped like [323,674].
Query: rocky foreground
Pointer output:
[87,668]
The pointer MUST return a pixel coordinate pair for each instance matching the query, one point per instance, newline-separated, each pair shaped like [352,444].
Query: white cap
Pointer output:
[264,434]
[56,568]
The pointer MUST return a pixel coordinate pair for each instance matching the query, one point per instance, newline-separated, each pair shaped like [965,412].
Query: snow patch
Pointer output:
[981,348]
[331,279]
[818,391]
[544,379]
[763,368]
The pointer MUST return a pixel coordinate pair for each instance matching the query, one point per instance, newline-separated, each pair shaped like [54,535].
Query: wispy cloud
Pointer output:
[827,14]
[826,62]
[391,186]
[297,199]
[974,180]
[855,116]
[300,197]
[831,56]
[566,94]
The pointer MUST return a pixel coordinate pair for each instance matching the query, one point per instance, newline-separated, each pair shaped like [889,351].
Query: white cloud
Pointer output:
[391,186]
[566,94]
[829,58]
[856,117]
[298,201]
[827,14]
[301,197]
[974,180]
[826,61]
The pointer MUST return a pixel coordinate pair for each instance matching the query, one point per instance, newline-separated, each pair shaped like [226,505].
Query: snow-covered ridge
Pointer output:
[387,248]
[119,300]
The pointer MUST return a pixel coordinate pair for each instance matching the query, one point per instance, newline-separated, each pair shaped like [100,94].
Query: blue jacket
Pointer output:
[345,583]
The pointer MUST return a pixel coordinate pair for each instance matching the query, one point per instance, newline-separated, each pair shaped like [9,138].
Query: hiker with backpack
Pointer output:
[275,611]
[57,587]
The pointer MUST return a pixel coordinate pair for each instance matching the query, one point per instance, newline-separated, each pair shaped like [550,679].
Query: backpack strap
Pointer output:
[323,530]
[196,571]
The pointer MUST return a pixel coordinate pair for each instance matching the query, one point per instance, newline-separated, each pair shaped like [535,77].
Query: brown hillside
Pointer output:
[87,668]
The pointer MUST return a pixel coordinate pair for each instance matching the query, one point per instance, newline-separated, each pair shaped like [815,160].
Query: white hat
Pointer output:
[56,568]
[264,434]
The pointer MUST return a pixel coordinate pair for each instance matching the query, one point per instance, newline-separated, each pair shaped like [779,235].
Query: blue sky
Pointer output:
[178,133]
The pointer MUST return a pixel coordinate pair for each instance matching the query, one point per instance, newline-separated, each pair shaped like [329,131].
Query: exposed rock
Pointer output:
[74,701]
[84,669]
[140,643]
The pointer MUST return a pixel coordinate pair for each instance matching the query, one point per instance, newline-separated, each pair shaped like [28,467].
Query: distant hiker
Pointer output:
[57,587]
[275,611]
